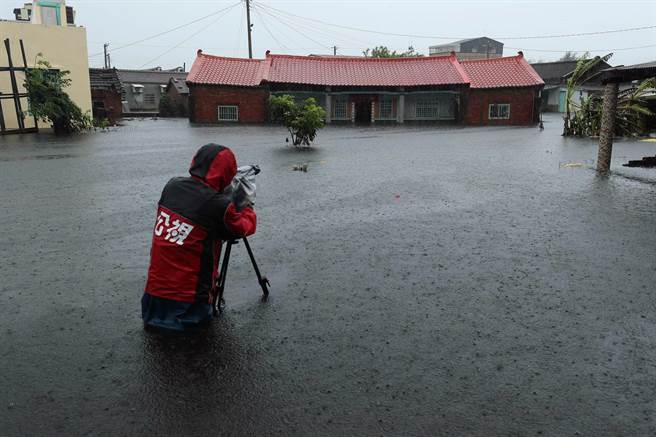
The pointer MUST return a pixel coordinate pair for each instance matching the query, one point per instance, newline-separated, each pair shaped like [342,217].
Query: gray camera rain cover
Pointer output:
[242,187]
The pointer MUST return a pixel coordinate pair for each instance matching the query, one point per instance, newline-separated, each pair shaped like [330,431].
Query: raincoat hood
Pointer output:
[215,165]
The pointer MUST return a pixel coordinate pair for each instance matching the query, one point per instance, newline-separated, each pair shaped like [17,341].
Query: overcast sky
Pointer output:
[121,22]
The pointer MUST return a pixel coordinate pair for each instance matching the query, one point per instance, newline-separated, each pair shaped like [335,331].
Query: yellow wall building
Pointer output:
[62,44]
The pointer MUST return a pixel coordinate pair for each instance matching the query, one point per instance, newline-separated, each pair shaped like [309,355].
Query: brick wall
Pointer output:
[111,107]
[524,109]
[204,102]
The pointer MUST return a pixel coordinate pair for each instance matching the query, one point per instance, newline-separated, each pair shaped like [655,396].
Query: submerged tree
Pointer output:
[302,120]
[47,100]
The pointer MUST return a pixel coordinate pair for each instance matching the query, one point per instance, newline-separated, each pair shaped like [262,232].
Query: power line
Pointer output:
[188,38]
[169,30]
[285,21]
[295,30]
[257,12]
[407,35]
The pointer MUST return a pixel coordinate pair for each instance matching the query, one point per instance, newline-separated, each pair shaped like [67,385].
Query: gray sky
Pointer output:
[120,22]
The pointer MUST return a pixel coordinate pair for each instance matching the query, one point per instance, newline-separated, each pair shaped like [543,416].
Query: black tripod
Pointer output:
[220,282]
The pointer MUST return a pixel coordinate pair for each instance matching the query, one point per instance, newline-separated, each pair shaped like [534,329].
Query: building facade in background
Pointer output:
[178,93]
[143,89]
[555,76]
[368,90]
[472,48]
[47,28]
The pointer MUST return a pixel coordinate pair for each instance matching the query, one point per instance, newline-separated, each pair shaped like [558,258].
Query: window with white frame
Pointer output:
[427,107]
[228,113]
[340,109]
[499,111]
[386,108]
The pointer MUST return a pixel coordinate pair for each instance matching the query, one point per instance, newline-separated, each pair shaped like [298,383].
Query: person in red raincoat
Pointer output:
[194,217]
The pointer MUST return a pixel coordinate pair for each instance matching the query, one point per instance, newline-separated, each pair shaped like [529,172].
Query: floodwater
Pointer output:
[425,281]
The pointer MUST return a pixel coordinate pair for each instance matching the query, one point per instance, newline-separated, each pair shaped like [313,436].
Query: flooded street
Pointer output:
[425,281]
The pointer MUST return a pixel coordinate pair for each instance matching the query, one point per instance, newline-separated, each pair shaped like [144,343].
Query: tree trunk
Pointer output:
[608,114]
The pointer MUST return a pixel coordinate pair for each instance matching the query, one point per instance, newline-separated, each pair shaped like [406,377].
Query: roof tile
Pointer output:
[512,71]
[358,71]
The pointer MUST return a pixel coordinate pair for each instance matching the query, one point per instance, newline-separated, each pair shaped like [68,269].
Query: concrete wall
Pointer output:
[204,102]
[65,47]
[523,102]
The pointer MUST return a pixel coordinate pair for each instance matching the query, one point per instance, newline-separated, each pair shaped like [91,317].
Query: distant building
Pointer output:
[439,89]
[178,94]
[47,28]
[472,48]
[105,94]
[555,76]
[142,89]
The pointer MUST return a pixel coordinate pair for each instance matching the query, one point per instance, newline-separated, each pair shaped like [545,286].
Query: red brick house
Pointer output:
[502,91]
[105,94]
[367,90]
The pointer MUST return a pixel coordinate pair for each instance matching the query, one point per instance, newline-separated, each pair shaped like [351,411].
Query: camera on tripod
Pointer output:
[242,192]
[242,187]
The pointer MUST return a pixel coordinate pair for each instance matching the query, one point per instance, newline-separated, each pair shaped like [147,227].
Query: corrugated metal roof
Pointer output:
[146,76]
[512,71]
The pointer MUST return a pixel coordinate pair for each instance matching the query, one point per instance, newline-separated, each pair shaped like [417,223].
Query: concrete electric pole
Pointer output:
[106,54]
[248,23]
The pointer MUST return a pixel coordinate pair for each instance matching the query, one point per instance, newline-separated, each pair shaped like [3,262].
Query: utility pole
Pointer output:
[248,23]
[334,50]
[106,54]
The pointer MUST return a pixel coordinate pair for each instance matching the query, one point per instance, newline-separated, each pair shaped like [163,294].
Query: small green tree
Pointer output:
[302,120]
[47,100]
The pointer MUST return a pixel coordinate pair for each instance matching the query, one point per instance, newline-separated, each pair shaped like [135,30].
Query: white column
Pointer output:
[400,108]
[352,112]
[373,111]
[329,108]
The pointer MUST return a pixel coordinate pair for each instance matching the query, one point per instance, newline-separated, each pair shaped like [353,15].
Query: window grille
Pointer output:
[386,108]
[339,108]
[228,113]
[427,107]
[149,99]
[499,111]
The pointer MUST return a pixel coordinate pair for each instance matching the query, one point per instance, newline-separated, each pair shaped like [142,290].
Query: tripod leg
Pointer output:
[218,298]
[264,282]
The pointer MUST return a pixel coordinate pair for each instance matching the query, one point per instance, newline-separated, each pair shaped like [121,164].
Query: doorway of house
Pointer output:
[362,108]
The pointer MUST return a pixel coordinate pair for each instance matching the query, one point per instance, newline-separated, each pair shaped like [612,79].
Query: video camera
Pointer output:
[242,187]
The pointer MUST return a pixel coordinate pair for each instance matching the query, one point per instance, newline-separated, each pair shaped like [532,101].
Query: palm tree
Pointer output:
[578,77]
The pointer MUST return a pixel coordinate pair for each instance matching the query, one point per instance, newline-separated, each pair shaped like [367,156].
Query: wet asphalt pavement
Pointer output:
[425,282]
